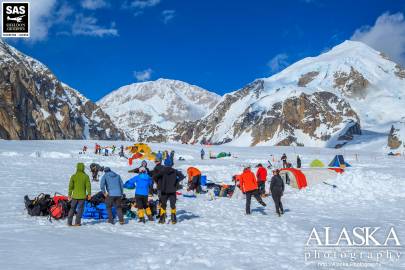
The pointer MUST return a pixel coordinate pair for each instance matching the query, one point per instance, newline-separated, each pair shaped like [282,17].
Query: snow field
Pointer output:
[210,234]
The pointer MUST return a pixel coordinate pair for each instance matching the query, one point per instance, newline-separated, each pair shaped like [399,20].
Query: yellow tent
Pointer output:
[143,149]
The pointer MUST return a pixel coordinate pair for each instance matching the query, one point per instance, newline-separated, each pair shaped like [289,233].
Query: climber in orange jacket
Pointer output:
[194,179]
[248,185]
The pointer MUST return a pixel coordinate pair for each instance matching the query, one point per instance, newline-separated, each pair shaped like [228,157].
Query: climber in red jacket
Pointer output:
[261,175]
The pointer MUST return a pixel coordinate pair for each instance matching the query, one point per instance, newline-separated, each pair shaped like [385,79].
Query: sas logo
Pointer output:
[15,19]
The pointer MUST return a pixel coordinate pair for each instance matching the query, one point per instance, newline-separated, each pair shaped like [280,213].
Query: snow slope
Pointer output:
[162,103]
[210,234]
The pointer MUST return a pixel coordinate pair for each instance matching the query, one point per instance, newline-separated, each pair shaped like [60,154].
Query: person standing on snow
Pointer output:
[284,160]
[298,161]
[144,164]
[261,175]
[79,190]
[121,153]
[248,184]
[112,187]
[156,177]
[168,183]
[168,162]
[143,184]
[202,153]
[277,190]
[159,155]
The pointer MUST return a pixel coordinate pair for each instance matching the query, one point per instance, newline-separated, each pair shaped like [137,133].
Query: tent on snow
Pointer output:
[140,151]
[222,154]
[301,178]
[316,163]
[339,162]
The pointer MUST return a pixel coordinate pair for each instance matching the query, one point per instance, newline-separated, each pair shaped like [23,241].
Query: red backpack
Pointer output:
[60,207]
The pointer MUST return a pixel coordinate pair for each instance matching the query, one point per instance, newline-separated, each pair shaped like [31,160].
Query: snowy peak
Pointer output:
[327,97]
[160,104]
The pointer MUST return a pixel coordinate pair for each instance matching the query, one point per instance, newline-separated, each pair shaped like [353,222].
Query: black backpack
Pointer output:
[126,204]
[97,199]
[38,206]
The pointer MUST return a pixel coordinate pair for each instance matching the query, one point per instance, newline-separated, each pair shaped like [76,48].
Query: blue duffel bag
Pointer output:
[99,211]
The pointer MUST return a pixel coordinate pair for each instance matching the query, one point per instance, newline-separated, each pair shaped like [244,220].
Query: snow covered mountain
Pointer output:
[148,111]
[318,101]
[34,104]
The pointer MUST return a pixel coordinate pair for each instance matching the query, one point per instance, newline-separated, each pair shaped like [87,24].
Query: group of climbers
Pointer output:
[98,150]
[254,186]
[166,179]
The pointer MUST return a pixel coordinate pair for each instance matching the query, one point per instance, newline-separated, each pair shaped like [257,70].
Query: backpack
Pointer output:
[60,207]
[126,204]
[38,206]
[98,198]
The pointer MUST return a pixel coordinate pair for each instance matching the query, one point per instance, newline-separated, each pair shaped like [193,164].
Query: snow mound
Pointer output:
[55,155]
[10,154]
[363,185]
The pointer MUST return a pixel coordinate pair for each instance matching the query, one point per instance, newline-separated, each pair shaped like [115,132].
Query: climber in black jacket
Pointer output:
[277,190]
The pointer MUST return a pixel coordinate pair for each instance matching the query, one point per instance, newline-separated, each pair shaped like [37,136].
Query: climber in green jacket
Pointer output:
[79,189]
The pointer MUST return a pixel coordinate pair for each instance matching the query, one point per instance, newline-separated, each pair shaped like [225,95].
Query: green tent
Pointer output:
[316,163]
[222,154]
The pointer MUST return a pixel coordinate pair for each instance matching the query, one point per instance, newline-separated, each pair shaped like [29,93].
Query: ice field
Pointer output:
[210,234]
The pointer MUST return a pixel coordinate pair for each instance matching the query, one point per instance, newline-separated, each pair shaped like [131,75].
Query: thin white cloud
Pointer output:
[94,4]
[386,35]
[144,3]
[168,15]
[278,62]
[88,26]
[144,75]
[41,13]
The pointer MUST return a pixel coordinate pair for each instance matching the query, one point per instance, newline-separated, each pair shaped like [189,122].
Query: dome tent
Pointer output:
[301,178]
[316,163]
[339,162]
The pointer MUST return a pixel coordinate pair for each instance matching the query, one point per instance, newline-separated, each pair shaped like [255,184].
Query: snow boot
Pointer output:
[149,214]
[162,219]
[173,216]
[141,215]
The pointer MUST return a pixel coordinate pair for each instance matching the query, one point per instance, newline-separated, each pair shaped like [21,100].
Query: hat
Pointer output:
[158,160]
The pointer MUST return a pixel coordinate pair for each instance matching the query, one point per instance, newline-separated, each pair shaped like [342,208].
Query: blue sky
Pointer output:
[99,45]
